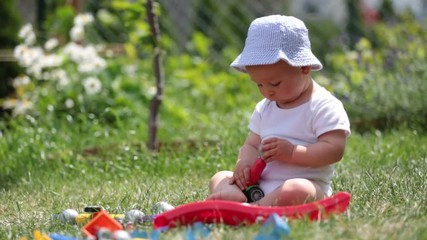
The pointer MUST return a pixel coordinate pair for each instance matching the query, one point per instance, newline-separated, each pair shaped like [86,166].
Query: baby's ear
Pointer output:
[305,70]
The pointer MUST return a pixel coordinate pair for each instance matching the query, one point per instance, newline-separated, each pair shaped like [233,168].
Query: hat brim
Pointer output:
[299,59]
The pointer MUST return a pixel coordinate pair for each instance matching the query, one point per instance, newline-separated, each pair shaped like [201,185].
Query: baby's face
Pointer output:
[279,82]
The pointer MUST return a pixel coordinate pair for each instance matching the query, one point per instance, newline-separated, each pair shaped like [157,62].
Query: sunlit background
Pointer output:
[77,81]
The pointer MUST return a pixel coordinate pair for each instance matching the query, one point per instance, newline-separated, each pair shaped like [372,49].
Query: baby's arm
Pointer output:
[327,150]
[247,155]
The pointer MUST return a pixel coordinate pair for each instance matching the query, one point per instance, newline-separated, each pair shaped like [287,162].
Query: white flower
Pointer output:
[35,70]
[94,65]
[25,30]
[77,33]
[50,108]
[151,91]
[51,44]
[73,50]
[30,39]
[18,107]
[92,85]
[89,52]
[20,81]
[51,60]
[130,70]
[69,103]
[63,81]
[35,60]
[86,67]
[27,33]
[78,53]
[47,75]
[86,57]
[21,107]
[19,51]
[61,76]
[9,103]
[83,19]
[27,56]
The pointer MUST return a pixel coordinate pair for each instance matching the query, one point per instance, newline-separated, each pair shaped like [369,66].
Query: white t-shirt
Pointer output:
[301,125]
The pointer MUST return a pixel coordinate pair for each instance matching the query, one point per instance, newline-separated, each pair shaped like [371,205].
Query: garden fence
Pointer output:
[224,22]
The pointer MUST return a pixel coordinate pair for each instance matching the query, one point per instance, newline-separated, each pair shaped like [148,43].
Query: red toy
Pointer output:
[253,192]
[234,213]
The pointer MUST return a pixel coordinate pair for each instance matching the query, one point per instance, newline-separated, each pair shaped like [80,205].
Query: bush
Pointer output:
[69,79]
[383,81]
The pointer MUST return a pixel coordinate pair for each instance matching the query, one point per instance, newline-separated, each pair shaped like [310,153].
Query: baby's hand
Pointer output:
[241,177]
[277,149]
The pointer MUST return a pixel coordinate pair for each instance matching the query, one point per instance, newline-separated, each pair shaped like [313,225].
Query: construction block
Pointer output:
[101,220]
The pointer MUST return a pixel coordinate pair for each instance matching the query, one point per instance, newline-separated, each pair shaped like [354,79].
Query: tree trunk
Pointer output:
[156,101]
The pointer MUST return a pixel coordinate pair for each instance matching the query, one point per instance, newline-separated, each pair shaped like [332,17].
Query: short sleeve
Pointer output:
[331,116]
[255,121]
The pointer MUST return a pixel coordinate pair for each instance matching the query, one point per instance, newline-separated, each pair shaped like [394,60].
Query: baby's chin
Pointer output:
[285,102]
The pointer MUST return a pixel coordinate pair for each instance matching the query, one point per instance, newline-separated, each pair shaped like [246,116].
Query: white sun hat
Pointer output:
[277,37]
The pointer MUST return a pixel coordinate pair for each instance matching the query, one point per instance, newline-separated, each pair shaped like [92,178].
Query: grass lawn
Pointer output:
[84,145]
[385,173]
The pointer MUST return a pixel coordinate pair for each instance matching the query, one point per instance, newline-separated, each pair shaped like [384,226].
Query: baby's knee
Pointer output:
[297,191]
[221,175]
[298,185]
[220,178]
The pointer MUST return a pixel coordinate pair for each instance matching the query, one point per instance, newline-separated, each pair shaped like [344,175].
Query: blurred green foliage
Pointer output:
[383,80]
[59,22]
[380,79]
[355,27]
[10,22]
[8,39]
[221,31]
[325,37]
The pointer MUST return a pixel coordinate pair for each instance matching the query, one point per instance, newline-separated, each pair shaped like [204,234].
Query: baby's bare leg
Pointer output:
[293,192]
[221,189]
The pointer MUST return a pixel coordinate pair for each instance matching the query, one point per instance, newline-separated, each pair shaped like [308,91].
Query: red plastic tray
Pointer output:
[234,213]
